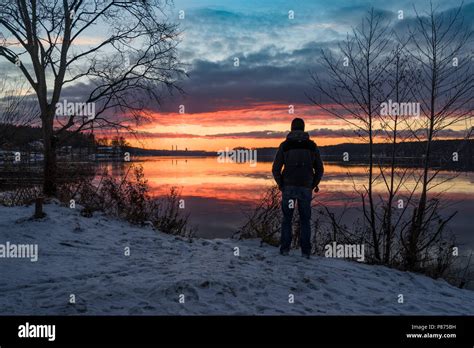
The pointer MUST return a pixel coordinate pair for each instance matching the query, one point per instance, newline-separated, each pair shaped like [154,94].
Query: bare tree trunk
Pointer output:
[50,163]
[373,228]
[391,193]
[46,33]
[370,99]
[388,219]
[419,213]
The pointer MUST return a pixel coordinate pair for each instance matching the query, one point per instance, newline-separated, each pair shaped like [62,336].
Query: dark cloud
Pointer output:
[269,73]
[315,133]
[264,76]
[267,134]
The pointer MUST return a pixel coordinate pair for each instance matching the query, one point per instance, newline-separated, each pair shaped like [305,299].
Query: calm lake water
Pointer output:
[218,196]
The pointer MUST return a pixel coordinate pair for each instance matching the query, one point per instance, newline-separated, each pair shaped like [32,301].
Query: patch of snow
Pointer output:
[86,257]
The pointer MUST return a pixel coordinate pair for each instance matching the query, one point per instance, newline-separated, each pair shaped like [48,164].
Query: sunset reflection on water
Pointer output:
[218,195]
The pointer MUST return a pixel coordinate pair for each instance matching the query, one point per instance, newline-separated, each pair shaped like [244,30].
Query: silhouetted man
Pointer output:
[302,172]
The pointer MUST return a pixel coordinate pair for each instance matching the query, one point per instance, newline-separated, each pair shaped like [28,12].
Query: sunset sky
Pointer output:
[228,106]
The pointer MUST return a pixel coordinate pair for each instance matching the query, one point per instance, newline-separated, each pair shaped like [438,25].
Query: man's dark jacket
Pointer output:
[301,160]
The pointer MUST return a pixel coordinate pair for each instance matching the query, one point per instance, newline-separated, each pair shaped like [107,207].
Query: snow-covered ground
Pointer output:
[86,257]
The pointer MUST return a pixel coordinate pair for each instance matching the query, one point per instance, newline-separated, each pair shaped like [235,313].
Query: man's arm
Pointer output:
[318,167]
[277,166]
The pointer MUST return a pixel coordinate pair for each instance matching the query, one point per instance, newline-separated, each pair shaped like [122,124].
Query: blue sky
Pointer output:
[275,53]
[217,29]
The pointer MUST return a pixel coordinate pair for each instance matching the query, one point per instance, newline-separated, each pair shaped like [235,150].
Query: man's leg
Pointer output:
[287,206]
[304,210]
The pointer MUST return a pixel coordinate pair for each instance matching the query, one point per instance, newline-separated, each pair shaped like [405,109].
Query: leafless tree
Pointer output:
[55,45]
[356,89]
[431,65]
[400,81]
[439,50]
[16,108]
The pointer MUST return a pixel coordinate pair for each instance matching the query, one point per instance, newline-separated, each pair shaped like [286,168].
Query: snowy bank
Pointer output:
[87,257]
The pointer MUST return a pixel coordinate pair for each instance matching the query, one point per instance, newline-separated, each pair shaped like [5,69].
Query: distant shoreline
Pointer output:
[407,154]
[407,162]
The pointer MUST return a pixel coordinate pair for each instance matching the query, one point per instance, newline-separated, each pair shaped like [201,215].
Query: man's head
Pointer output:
[297,124]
